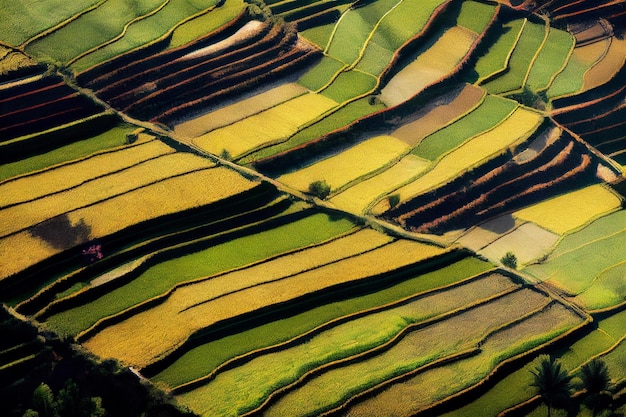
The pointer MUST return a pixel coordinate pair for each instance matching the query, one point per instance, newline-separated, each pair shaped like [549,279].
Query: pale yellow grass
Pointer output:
[568,212]
[528,243]
[240,110]
[591,53]
[168,196]
[511,131]
[75,173]
[146,336]
[21,216]
[359,197]
[437,61]
[440,115]
[270,126]
[608,66]
[349,165]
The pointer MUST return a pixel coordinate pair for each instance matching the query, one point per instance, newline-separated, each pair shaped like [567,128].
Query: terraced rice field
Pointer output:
[156,208]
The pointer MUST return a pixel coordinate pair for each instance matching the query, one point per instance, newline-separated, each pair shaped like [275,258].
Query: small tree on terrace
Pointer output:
[596,384]
[320,189]
[552,381]
[509,260]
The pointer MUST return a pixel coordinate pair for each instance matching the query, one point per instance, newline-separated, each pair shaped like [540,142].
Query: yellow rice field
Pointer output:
[269,126]
[514,129]
[73,174]
[347,166]
[607,66]
[568,212]
[358,198]
[437,61]
[239,110]
[168,196]
[149,335]
[18,217]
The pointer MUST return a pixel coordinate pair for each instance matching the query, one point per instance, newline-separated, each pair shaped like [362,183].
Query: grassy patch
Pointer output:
[206,23]
[205,358]
[90,30]
[232,254]
[319,35]
[321,74]
[475,16]
[551,60]
[491,112]
[349,85]
[145,31]
[112,138]
[608,288]
[521,59]
[497,57]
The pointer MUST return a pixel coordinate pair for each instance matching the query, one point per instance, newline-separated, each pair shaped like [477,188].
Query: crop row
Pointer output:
[43,104]
[365,333]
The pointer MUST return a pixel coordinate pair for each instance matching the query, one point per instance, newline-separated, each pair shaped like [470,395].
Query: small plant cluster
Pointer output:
[67,402]
[93,252]
[319,189]
[557,386]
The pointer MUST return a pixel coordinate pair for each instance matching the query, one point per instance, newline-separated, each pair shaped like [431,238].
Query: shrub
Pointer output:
[509,260]
[393,200]
[319,189]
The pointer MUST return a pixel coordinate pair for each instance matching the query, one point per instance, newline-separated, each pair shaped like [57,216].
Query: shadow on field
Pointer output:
[59,232]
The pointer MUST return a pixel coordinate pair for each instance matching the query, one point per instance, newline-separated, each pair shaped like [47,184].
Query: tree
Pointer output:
[393,200]
[43,400]
[509,260]
[596,384]
[552,381]
[320,189]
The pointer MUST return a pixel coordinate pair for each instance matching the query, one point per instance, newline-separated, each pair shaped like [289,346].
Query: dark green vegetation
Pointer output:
[128,250]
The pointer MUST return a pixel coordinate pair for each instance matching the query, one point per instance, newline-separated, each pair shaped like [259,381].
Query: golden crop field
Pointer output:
[516,128]
[571,211]
[240,110]
[267,127]
[357,198]
[74,174]
[349,165]
[148,335]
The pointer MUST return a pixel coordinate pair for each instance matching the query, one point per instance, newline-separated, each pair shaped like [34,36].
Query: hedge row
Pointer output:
[135,241]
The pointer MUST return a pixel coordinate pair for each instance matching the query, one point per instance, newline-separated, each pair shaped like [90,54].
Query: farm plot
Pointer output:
[506,393]
[571,211]
[519,64]
[369,330]
[350,165]
[513,130]
[111,207]
[156,25]
[551,59]
[431,65]
[440,113]
[484,117]
[268,127]
[573,268]
[423,352]
[608,66]
[144,348]
[496,60]
[240,110]
[520,332]
[201,362]
[204,258]
[572,78]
